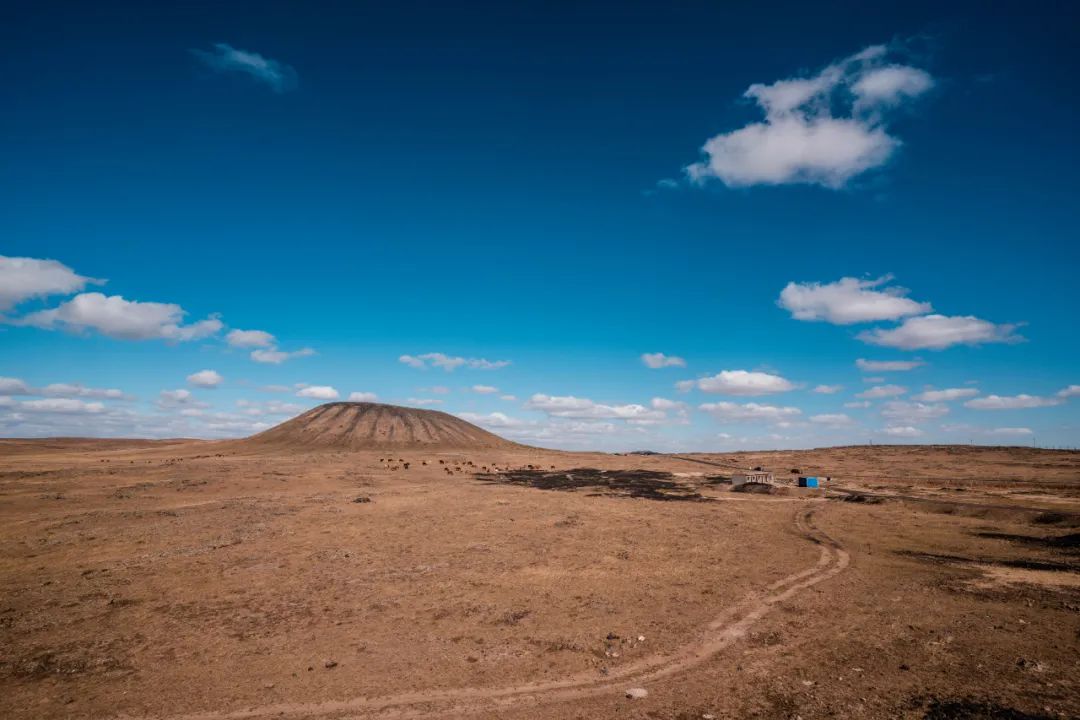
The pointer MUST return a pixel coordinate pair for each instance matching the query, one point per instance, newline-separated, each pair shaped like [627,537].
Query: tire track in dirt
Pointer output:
[714,637]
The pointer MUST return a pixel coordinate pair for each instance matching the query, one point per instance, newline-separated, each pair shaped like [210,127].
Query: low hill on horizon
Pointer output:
[377,426]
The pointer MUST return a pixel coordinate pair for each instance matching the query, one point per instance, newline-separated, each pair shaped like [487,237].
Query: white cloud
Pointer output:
[1014,402]
[828,389]
[250,339]
[205,379]
[680,409]
[450,363]
[831,419]
[423,401]
[743,382]
[749,412]
[685,385]
[849,300]
[912,413]
[270,407]
[1071,391]
[178,396]
[876,379]
[67,406]
[887,365]
[857,405]
[318,392]
[946,395]
[937,332]
[14,386]
[508,398]
[889,85]
[116,317]
[23,278]
[276,357]
[77,390]
[902,431]
[225,58]
[823,130]
[492,420]
[881,391]
[168,399]
[363,397]
[660,360]
[74,417]
[485,389]
[568,406]
[1011,431]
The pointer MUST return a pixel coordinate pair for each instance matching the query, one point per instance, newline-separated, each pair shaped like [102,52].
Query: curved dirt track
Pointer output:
[728,627]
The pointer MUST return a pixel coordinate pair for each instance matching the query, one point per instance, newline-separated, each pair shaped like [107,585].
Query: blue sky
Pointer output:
[499,211]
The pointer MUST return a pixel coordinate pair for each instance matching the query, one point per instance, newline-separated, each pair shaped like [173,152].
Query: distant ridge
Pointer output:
[375,426]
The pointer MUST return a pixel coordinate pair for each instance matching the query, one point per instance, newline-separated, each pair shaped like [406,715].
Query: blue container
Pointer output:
[811,482]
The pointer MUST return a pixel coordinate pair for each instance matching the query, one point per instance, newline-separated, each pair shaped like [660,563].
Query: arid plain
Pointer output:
[312,574]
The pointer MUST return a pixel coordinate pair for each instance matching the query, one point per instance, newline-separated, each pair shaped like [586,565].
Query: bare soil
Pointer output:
[187,579]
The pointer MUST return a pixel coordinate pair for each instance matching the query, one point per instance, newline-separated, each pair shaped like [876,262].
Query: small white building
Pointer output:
[759,477]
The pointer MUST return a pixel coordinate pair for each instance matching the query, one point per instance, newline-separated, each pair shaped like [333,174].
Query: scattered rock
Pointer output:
[637,693]
[361,499]
[330,664]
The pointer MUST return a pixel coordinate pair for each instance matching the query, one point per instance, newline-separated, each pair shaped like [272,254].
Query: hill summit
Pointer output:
[375,426]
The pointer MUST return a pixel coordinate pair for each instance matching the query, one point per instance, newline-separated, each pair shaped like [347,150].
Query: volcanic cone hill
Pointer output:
[374,426]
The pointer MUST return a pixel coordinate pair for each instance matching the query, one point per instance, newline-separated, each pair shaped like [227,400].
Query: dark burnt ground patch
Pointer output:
[1067,543]
[1051,518]
[717,479]
[646,484]
[935,708]
[960,560]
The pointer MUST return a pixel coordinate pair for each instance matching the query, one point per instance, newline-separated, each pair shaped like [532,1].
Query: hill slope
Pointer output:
[374,426]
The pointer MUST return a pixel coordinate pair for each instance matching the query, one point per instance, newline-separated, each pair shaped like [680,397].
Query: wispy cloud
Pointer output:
[568,406]
[887,365]
[225,58]
[207,379]
[275,356]
[450,363]
[749,412]
[660,360]
[1012,402]
[937,332]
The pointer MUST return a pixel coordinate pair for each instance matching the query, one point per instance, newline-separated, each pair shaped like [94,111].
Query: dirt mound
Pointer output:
[374,426]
